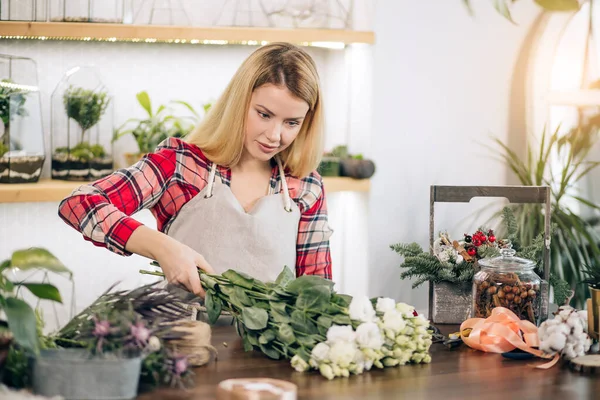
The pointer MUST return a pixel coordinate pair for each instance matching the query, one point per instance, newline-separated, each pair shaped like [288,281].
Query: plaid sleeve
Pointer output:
[312,247]
[101,210]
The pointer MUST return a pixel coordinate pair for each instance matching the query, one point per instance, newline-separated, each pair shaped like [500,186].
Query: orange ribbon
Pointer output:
[501,332]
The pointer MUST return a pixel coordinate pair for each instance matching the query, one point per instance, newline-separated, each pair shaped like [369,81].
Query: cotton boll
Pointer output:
[553,343]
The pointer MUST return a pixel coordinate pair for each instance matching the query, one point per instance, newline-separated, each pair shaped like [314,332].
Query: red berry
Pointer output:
[472,251]
[476,242]
[492,238]
[483,238]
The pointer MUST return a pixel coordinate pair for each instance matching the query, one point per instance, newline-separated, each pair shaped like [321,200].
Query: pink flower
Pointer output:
[140,333]
[181,365]
[102,328]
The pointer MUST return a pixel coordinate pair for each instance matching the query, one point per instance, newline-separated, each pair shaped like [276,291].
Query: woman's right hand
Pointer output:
[179,262]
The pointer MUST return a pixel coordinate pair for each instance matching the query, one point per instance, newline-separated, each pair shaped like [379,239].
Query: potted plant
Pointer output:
[591,272]
[21,135]
[339,162]
[87,159]
[19,329]
[157,125]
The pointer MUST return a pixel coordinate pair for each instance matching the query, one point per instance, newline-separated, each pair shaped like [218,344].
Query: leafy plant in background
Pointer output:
[574,242]
[12,102]
[159,124]
[85,107]
[504,6]
[21,320]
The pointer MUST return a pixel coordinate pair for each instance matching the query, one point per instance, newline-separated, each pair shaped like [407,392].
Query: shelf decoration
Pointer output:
[82,125]
[163,12]
[105,11]
[23,10]
[21,136]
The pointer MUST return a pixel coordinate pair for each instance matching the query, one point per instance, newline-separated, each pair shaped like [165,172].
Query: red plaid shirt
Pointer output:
[167,179]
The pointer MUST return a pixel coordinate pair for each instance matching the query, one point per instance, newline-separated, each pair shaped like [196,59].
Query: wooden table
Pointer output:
[460,373]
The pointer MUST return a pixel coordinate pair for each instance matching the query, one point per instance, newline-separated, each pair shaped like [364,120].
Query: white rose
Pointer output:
[320,352]
[369,336]
[361,309]
[405,309]
[384,304]
[340,332]
[393,320]
[299,364]
[341,353]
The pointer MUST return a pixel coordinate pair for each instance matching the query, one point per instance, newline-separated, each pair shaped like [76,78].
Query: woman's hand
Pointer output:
[179,262]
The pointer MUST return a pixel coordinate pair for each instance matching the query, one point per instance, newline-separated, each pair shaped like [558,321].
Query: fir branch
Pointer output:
[562,290]
[407,250]
[510,223]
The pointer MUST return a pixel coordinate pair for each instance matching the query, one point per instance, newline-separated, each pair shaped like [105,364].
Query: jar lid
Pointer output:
[507,259]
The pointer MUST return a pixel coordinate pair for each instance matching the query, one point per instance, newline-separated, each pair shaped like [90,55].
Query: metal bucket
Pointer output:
[450,303]
[74,374]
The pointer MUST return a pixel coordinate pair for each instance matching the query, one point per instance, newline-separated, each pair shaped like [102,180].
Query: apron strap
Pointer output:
[211,181]
[287,204]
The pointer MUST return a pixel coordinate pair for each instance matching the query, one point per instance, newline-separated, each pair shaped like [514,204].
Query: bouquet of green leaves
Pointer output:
[304,320]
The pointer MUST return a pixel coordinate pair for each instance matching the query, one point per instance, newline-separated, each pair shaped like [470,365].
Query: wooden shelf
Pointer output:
[178,34]
[55,190]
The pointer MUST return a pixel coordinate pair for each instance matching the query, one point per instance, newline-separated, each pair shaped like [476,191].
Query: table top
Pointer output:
[461,373]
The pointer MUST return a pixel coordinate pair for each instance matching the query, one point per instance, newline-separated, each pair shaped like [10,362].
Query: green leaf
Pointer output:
[209,282]
[241,296]
[247,344]
[144,100]
[270,351]
[559,5]
[325,321]
[343,300]
[213,307]
[502,7]
[307,341]
[35,257]
[285,277]
[314,299]
[252,338]
[262,304]
[467,4]
[266,336]
[239,279]
[302,323]
[286,334]
[254,318]
[342,319]
[5,264]
[44,291]
[22,323]
[307,281]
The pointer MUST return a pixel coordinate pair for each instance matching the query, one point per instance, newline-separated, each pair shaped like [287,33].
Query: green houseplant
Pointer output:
[10,98]
[157,125]
[86,159]
[20,327]
[574,241]
[504,6]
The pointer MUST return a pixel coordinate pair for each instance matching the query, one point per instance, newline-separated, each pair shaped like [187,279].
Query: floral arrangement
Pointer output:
[302,319]
[456,261]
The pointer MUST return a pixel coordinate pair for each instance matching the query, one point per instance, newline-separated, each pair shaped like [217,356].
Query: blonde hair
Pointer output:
[220,135]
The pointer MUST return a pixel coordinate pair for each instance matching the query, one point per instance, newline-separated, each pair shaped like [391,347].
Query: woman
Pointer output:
[239,192]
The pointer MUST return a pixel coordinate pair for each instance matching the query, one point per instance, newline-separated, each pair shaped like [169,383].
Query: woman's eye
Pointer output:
[263,115]
[294,123]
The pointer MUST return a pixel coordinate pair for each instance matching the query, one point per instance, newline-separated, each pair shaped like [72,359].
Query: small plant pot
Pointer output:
[450,303]
[358,169]
[330,166]
[595,294]
[21,169]
[75,374]
[69,168]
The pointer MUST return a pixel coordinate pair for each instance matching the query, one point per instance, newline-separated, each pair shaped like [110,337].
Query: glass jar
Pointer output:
[510,282]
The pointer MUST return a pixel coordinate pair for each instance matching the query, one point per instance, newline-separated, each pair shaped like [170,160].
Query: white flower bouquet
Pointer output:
[304,320]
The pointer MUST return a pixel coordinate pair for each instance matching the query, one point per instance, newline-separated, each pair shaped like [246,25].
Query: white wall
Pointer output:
[441,85]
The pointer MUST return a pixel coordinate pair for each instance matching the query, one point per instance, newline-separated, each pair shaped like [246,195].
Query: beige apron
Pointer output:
[259,242]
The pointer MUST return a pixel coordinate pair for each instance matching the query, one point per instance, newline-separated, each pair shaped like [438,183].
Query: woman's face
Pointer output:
[274,120]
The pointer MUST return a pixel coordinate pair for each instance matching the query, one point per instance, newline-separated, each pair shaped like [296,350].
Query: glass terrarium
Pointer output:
[102,11]
[161,12]
[510,282]
[21,134]
[23,10]
[82,125]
